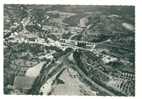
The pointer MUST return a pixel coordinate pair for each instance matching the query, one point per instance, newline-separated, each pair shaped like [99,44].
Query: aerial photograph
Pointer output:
[69,50]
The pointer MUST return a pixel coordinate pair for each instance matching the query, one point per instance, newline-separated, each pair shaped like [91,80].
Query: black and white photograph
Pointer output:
[81,50]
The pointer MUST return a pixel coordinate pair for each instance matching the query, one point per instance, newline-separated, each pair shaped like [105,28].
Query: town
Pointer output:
[55,50]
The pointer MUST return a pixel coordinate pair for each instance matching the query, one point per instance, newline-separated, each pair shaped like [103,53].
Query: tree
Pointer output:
[37,17]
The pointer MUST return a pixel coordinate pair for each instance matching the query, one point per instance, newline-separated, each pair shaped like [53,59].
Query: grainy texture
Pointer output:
[69,50]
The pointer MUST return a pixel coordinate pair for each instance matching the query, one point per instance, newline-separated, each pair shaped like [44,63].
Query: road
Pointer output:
[54,70]
[48,75]
[91,81]
[71,85]
[71,82]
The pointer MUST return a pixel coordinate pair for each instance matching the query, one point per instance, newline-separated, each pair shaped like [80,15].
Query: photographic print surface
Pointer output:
[69,50]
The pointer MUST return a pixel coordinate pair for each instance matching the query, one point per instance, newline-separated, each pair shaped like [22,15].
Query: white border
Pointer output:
[138,50]
[137,3]
[73,2]
[1,49]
